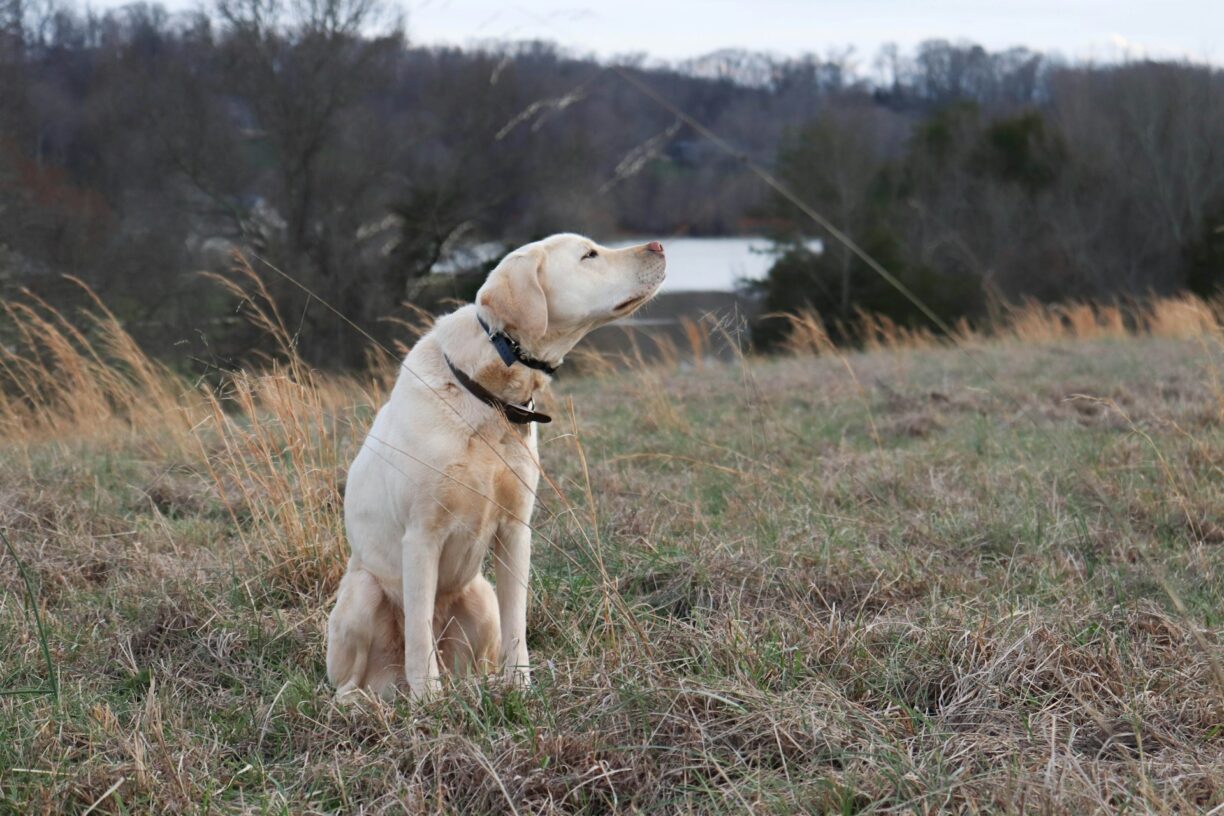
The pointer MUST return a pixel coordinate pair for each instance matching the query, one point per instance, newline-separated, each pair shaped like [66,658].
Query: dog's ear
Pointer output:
[514,297]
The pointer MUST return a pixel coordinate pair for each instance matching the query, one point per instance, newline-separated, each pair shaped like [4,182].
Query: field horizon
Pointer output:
[927,575]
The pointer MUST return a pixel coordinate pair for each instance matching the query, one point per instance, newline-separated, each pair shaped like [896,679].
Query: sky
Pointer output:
[675,29]
[1100,30]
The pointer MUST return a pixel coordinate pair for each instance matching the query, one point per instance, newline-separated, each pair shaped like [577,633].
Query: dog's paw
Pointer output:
[518,675]
[423,689]
[351,693]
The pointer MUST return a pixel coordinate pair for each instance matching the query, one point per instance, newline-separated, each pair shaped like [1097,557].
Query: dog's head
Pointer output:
[548,294]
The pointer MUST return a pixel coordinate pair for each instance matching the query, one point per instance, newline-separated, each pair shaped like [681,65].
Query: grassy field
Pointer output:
[984,578]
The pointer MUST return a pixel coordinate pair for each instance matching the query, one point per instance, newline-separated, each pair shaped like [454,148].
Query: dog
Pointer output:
[450,467]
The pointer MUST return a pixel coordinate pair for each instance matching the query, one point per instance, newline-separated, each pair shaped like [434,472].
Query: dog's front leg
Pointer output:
[512,564]
[420,575]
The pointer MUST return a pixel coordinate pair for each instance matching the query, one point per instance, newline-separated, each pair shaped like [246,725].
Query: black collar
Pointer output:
[511,352]
[518,414]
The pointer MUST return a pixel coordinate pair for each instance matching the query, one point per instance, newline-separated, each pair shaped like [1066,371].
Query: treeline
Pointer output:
[1085,183]
[138,148]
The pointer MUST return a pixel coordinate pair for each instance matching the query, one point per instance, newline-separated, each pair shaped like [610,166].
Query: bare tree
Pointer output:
[304,70]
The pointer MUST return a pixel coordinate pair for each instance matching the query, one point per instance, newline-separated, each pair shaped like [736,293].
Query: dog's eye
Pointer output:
[591,254]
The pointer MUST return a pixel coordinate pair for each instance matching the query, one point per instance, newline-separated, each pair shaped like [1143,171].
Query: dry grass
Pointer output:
[906,580]
[1181,317]
[58,378]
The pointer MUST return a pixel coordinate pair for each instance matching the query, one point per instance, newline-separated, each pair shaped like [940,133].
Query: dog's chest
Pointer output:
[491,486]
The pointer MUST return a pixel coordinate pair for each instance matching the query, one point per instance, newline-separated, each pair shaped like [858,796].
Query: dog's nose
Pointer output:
[655,246]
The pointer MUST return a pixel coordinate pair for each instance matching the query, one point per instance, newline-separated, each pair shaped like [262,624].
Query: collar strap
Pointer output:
[511,352]
[518,414]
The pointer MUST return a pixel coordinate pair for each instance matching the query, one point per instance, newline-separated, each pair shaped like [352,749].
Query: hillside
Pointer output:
[141,146]
[980,578]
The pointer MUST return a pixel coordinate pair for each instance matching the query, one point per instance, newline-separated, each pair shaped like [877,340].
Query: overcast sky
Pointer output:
[675,29]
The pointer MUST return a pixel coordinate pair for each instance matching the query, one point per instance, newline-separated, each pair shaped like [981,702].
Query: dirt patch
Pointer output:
[747,584]
[172,630]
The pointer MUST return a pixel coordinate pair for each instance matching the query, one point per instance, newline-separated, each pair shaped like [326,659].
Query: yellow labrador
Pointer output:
[450,467]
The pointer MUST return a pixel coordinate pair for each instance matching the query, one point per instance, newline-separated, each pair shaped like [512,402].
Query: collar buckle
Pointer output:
[510,351]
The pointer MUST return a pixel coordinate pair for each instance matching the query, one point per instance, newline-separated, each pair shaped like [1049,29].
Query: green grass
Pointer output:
[921,581]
